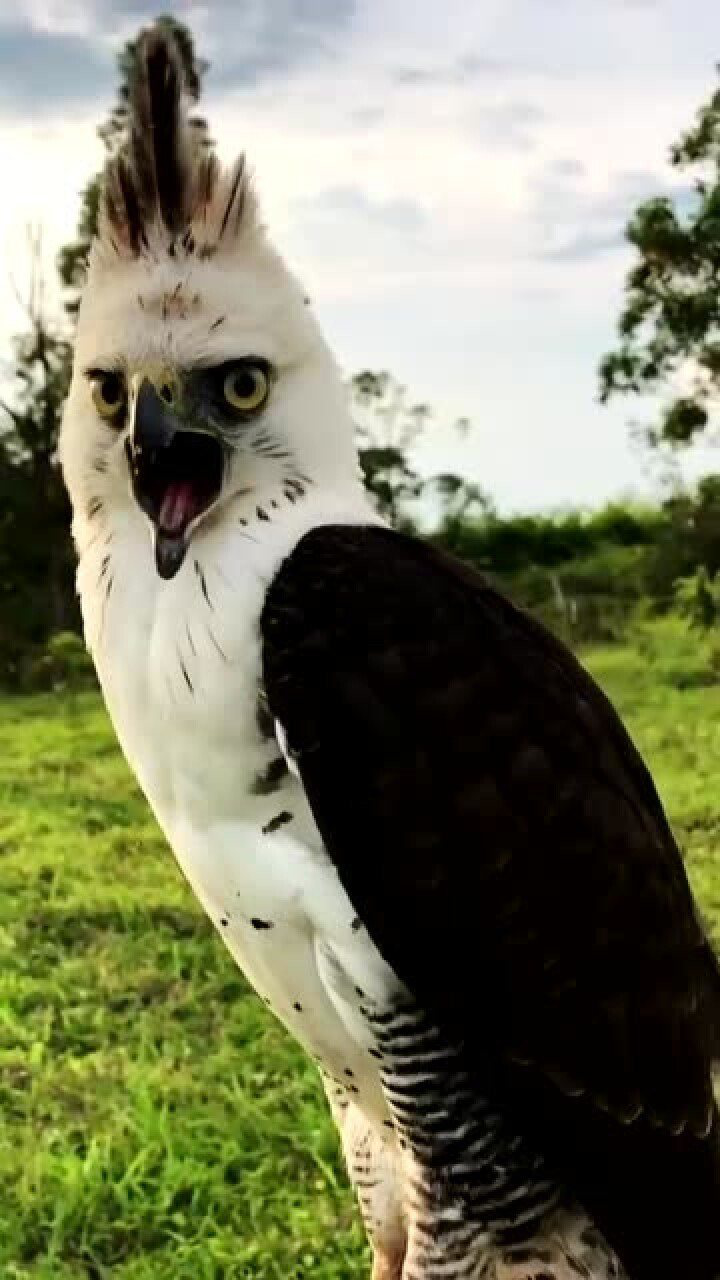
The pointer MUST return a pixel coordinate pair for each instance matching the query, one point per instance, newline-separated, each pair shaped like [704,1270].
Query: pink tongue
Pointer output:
[177,507]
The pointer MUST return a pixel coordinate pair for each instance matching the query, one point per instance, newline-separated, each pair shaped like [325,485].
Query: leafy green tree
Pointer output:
[669,326]
[687,538]
[697,598]
[388,426]
[462,500]
[36,575]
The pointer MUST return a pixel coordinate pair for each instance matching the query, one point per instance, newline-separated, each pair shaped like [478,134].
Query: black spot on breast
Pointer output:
[270,779]
[388,1124]
[297,1006]
[356,924]
[257,923]
[375,1053]
[280,820]
[350,1073]
[359,992]
[224,922]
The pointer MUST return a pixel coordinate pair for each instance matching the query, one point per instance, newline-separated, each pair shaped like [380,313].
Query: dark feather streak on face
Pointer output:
[217,646]
[236,194]
[203,584]
[186,674]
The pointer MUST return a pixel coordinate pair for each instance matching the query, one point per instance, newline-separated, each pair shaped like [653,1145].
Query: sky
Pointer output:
[451,181]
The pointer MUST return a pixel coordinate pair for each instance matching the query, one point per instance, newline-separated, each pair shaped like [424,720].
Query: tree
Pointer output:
[697,598]
[669,326]
[388,426]
[36,574]
[461,499]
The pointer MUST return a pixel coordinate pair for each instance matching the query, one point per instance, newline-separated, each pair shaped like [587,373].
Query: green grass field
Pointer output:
[158,1124]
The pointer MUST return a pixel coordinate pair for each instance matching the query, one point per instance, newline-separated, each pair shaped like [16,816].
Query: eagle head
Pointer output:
[202,390]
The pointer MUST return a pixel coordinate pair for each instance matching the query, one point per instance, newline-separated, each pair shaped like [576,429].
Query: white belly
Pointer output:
[282,912]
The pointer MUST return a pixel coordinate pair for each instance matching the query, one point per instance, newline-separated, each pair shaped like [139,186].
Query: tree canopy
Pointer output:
[669,325]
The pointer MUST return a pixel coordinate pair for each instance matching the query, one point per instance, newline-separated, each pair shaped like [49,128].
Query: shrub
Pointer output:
[61,663]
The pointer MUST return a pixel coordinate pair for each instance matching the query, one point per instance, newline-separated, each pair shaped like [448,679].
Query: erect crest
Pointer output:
[166,182]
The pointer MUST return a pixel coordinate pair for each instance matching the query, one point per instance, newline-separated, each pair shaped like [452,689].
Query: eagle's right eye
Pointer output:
[108,393]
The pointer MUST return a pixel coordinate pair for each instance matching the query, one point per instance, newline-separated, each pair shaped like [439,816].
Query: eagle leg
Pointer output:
[372,1161]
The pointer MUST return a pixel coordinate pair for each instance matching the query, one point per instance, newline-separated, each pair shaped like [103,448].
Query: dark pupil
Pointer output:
[244,384]
[111,389]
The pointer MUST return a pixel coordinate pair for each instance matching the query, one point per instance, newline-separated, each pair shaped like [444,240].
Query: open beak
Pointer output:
[176,472]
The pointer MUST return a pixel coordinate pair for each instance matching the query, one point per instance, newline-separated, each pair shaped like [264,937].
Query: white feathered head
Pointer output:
[202,388]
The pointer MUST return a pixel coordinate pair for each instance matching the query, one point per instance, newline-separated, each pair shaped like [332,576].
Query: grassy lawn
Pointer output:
[158,1124]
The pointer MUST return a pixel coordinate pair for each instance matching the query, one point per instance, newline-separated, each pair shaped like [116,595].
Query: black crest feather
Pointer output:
[158,128]
[151,177]
[166,175]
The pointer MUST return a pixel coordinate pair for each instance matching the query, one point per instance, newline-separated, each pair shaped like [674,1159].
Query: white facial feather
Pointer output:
[185,312]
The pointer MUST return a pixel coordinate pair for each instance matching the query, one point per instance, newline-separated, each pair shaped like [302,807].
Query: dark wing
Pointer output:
[502,841]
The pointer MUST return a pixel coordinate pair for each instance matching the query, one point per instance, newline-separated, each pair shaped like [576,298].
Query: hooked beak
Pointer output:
[176,472]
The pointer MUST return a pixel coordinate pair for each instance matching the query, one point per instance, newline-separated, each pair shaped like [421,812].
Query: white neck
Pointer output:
[231,560]
[187,651]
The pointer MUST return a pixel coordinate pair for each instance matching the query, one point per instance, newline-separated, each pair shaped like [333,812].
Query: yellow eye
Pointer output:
[108,393]
[246,387]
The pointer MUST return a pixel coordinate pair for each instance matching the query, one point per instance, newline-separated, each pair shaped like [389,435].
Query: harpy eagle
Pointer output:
[416,822]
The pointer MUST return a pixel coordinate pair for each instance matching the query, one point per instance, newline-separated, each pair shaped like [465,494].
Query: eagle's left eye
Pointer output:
[108,393]
[246,387]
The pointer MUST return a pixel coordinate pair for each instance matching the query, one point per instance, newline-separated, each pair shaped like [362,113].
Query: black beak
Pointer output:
[176,474]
